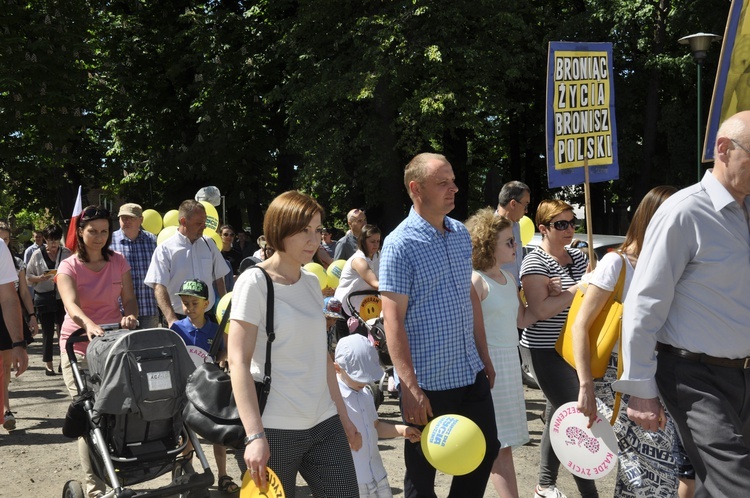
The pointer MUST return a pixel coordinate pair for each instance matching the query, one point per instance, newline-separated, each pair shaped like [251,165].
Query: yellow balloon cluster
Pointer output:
[166,226]
[453,444]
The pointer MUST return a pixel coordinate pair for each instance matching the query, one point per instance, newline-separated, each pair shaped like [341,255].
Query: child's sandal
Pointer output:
[227,485]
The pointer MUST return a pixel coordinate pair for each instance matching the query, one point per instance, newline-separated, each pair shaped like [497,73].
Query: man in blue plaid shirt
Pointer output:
[137,245]
[433,324]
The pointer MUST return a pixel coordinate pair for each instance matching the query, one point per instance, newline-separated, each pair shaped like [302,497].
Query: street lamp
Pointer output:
[699,45]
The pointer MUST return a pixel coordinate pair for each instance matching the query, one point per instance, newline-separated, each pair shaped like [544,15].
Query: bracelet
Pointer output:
[19,344]
[250,439]
[31,314]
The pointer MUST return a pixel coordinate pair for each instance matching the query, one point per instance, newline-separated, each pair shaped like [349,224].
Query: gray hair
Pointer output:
[512,191]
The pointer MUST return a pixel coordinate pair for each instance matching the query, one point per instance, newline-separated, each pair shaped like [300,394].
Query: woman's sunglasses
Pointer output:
[94,213]
[564,224]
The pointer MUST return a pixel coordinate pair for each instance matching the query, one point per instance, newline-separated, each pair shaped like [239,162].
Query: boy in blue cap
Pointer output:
[198,332]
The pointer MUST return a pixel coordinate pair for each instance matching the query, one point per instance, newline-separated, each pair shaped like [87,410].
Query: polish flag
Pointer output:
[71,241]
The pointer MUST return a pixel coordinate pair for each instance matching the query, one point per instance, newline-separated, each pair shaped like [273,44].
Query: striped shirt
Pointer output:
[543,334]
[138,254]
[434,270]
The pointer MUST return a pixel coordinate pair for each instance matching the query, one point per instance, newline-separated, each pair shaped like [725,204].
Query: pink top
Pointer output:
[98,293]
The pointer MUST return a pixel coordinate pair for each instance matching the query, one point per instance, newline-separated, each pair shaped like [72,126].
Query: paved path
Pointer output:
[36,459]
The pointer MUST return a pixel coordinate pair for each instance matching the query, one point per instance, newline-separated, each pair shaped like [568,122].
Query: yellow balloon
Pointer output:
[212,216]
[334,272]
[319,272]
[166,233]
[453,444]
[221,307]
[527,230]
[172,218]
[152,221]
[211,234]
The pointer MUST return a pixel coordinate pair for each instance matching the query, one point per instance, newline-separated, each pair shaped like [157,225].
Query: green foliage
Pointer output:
[149,101]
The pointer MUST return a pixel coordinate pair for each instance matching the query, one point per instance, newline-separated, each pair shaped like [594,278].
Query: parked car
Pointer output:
[602,245]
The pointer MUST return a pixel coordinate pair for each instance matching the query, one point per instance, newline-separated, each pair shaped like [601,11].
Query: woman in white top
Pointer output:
[493,245]
[361,270]
[645,464]
[304,427]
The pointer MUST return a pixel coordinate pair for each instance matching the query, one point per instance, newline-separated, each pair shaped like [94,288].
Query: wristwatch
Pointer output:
[19,344]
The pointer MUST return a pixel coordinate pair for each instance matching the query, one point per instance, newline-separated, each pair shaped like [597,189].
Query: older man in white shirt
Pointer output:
[690,300]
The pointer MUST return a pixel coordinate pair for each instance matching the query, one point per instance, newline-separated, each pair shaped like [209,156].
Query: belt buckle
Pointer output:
[746,364]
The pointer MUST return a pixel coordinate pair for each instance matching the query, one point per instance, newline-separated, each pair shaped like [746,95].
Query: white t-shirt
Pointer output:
[7,268]
[607,272]
[299,397]
[351,281]
[177,260]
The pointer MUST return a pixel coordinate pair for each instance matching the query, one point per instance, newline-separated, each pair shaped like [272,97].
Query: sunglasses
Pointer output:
[227,234]
[511,242]
[94,213]
[564,224]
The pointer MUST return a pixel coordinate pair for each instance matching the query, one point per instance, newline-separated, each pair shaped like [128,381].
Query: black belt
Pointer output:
[741,363]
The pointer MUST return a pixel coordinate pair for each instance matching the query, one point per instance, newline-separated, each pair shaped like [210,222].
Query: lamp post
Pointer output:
[699,44]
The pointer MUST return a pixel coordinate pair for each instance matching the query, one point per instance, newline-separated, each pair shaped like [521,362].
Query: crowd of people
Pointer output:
[457,301]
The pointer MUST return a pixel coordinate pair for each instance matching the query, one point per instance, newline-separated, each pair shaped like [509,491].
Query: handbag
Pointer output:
[45,302]
[603,333]
[211,410]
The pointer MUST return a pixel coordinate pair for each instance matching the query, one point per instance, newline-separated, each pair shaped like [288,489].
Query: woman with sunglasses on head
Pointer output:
[645,466]
[494,245]
[305,427]
[92,283]
[40,273]
[549,263]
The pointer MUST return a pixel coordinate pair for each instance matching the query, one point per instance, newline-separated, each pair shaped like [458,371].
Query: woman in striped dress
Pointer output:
[558,380]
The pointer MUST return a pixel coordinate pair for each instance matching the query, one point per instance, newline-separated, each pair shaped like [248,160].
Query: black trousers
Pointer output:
[474,402]
[711,407]
[48,320]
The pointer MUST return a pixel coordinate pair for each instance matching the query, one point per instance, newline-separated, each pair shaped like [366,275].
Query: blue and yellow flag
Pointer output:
[732,86]
[580,113]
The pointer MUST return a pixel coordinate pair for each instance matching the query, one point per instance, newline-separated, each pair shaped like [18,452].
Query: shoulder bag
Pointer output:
[211,410]
[604,332]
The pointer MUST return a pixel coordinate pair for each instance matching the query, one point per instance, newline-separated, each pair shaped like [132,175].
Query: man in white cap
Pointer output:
[137,245]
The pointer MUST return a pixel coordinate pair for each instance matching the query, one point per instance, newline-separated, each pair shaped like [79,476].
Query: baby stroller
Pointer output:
[375,331]
[129,411]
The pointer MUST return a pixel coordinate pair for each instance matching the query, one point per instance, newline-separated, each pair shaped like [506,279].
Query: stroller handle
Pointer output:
[80,336]
[349,297]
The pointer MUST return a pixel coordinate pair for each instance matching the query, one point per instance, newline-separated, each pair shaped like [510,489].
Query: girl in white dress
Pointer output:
[493,245]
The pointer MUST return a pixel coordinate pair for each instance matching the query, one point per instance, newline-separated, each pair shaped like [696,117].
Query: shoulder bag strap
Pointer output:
[271,335]
[618,292]
[620,286]
[269,323]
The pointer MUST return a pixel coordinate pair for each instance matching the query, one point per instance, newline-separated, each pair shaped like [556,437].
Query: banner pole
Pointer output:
[587,207]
